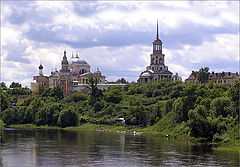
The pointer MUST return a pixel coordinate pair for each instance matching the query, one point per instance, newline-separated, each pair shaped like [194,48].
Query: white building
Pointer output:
[157,69]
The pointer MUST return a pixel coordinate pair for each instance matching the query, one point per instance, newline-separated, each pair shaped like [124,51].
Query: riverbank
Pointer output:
[148,131]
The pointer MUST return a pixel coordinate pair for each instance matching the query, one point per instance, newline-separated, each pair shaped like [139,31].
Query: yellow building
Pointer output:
[220,78]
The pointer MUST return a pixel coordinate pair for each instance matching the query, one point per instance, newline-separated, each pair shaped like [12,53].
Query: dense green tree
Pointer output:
[203,75]
[180,106]
[3,86]
[4,101]
[76,97]
[138,115]
[95,93]
[10,116]
[113,96]
[15,85]
[32,109]
[221,106]
[233,94]
[122,80]
[20,91]
[199,123]
[67,117]
[98,106]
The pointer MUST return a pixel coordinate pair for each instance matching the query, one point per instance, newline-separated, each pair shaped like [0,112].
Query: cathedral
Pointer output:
[157,69]
[73,76]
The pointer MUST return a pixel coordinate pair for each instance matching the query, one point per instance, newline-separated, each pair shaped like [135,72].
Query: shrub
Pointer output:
[67,117]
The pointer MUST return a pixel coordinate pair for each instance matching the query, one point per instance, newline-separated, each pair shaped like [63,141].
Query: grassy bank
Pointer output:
[234,146]
[160,129]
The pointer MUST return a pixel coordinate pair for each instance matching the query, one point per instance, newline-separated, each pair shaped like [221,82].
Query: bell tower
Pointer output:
[157,58]
[65,62]
[157,44]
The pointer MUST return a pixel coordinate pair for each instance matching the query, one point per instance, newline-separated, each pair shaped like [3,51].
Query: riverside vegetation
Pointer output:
[209,112]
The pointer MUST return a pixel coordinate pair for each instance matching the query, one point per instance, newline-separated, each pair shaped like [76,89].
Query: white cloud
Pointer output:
[63,18]
[224,48]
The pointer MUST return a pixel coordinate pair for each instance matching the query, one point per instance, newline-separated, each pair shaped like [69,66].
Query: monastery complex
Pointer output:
[74,74]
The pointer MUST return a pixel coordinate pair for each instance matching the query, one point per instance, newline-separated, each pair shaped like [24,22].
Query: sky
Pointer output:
[117,37]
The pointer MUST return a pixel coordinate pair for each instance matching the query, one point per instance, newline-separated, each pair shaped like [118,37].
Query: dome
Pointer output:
[77,60]
[145,74]
[40,67]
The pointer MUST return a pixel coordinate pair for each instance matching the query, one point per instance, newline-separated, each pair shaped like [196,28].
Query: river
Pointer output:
[47,147]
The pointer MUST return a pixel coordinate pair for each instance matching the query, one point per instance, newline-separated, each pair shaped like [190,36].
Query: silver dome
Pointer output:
[77,60]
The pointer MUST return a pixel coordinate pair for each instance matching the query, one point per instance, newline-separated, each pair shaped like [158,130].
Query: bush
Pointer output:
[76,97]
[220,106]
[10,116]
[113,96]
[67,117]
[199,124]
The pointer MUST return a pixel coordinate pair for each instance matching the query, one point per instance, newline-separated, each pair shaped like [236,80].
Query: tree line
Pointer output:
[208,111]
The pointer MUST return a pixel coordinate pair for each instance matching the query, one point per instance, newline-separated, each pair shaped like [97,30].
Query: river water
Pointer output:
[46,147]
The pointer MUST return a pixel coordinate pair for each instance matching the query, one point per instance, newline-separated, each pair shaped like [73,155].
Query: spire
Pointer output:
[157,30]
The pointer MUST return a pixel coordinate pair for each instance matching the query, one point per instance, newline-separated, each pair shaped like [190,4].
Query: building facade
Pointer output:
[73,76]
[220,78]
[157,70]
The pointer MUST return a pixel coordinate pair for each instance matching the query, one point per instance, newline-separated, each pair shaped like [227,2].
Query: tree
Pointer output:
[67,117]
[220,106]
[181,108]
[113,96]
[15,85]
[10,116]
[233,94]
[32,109]
[3,101]
[95,93]
[57,92]
[138,115]
[76,97]
[3,86]
[203,75]
[122,80]
[200,125]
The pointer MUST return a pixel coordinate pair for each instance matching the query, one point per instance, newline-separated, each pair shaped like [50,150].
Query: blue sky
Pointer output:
[117,36]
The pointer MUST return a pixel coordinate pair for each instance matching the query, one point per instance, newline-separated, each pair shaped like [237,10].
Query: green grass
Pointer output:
[33,126]
[235,146]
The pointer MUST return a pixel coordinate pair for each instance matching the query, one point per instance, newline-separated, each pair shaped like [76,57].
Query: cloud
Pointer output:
[117,36]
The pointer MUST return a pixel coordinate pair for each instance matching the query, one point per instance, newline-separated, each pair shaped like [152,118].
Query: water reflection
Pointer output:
[42,147]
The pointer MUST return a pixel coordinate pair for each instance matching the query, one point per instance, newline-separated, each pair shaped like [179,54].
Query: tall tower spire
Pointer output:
[157,30]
